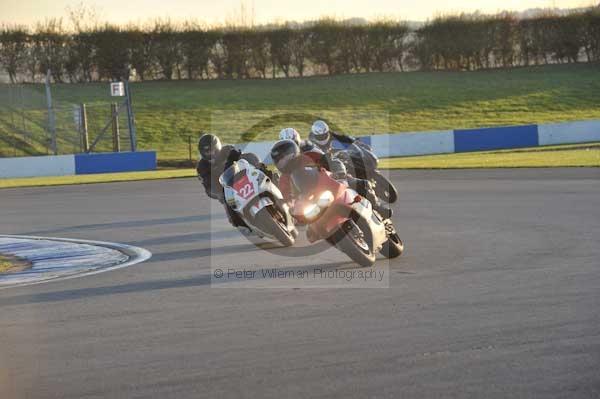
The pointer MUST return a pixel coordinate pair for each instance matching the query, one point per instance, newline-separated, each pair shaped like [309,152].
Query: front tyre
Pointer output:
[353,243]
[384,188]
[270,220]
[393,247]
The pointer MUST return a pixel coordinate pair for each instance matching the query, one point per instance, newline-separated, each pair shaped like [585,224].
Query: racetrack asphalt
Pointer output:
[496,296]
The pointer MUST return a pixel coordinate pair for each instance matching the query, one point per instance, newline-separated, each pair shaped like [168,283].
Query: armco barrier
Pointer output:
[64,165]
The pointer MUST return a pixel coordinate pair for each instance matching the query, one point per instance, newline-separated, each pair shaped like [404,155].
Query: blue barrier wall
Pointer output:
[112,162]
[495,138]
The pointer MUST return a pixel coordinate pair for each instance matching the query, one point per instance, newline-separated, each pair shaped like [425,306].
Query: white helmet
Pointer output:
[289,133]
[319,133]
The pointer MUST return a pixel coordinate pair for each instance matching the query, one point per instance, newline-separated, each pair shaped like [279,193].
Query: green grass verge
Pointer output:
[575,155]
[540,157]
[168,112]
[11,264]
[5,265]
[96,178]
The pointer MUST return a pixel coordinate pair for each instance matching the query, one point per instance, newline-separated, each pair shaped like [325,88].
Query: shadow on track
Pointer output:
[186,238]
[143,286]
[75,294]
[204,252]
[131,223]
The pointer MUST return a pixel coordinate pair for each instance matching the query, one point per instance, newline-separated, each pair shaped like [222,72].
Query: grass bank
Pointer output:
[167,113]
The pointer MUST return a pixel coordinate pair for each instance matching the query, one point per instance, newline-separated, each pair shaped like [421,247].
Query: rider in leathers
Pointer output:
[313,155]
[214,160]
[287,157]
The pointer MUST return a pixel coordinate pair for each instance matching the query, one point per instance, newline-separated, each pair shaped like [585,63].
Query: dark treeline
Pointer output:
[167,51]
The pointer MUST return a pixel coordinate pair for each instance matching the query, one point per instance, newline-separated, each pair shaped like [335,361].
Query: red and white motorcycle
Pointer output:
[258,201]
[335,212]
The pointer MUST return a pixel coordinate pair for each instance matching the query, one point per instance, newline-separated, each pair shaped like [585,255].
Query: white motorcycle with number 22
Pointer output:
[258,201]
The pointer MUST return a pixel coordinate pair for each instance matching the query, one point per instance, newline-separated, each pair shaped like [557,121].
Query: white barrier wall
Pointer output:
[77,164]
[569,132]
[59,165]
[394,145]
[261,149]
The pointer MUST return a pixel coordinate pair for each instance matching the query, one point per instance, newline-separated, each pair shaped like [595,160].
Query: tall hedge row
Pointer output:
[166,51]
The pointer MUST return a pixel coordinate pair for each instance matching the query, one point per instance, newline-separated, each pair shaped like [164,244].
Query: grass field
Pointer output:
[168,112]
[577,155]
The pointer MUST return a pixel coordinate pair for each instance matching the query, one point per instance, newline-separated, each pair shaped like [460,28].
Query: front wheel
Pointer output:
[270,220]
[354,244]
[393,247]
[384,188]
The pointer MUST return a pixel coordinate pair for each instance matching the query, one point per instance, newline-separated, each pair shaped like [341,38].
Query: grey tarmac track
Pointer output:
[497,296]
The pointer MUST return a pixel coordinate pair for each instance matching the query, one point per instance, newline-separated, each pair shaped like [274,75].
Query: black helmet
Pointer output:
[251,158]
[209,146]
[283,153]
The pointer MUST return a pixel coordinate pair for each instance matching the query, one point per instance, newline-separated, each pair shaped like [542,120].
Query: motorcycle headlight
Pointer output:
[311,211]
[325,199]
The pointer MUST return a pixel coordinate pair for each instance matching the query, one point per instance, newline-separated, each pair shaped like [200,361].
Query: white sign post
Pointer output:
[117,89]
[121,89]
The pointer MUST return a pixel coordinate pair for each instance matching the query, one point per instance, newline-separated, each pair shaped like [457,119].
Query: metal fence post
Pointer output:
[190,148]
[11,101]
[51,117]
[115,127]
[22,107]
[85,139]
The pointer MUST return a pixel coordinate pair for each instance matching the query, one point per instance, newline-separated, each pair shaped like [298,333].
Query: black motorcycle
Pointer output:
[361,162]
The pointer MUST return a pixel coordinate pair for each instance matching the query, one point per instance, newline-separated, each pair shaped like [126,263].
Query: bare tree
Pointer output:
[51,41]
[13,50]
[299,44]
[167,48]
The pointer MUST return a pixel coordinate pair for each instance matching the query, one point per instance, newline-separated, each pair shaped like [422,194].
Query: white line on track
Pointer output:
[133,255]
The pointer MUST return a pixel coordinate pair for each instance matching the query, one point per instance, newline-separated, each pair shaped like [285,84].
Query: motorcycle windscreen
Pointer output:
[362,162]
[305,179]
[354,151]
[228,176]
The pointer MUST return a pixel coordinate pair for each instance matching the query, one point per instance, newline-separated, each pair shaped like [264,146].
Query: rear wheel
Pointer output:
[384,188]
[354,243]
[272,221]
